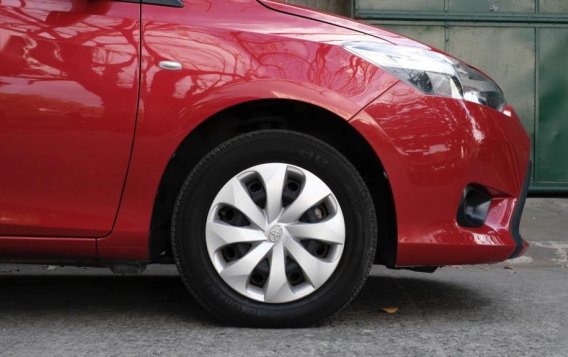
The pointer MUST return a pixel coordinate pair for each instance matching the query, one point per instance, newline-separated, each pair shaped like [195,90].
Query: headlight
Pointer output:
[432,72]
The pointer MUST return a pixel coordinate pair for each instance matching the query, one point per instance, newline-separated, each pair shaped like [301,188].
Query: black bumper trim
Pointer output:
[517,214]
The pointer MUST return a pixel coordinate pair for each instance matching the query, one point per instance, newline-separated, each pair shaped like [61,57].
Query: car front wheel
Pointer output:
[274,228]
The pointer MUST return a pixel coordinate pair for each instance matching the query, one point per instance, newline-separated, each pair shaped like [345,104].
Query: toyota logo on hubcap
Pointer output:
[275,233]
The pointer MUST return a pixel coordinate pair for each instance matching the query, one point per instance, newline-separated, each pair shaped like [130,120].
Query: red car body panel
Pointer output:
[68,98]
[234,52]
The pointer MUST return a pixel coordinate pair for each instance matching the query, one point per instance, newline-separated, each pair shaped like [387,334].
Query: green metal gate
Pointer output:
[523,44]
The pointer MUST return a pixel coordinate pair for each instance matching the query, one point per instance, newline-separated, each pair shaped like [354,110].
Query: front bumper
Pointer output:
[431,149]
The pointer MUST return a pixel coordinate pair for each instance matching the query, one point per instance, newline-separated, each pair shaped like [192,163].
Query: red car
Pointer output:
[272,152]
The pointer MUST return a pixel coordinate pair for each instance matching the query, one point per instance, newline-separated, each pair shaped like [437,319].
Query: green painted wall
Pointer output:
[341,7]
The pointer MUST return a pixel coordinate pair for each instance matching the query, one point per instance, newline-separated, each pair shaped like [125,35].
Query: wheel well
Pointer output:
[274,114]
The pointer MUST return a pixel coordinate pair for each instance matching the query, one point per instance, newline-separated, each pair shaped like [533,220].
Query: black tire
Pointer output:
[247,150]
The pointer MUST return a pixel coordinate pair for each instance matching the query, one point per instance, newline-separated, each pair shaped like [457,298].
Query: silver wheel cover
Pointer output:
[276,234]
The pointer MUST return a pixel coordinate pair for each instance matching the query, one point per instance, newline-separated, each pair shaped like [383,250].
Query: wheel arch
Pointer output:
[260,114]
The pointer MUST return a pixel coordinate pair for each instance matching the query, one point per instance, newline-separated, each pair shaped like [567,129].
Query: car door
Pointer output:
[68,104]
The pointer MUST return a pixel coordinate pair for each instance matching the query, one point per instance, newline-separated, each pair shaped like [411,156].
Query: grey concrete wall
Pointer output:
[341,7]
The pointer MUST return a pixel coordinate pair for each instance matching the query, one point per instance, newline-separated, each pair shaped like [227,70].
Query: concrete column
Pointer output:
[341,7]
